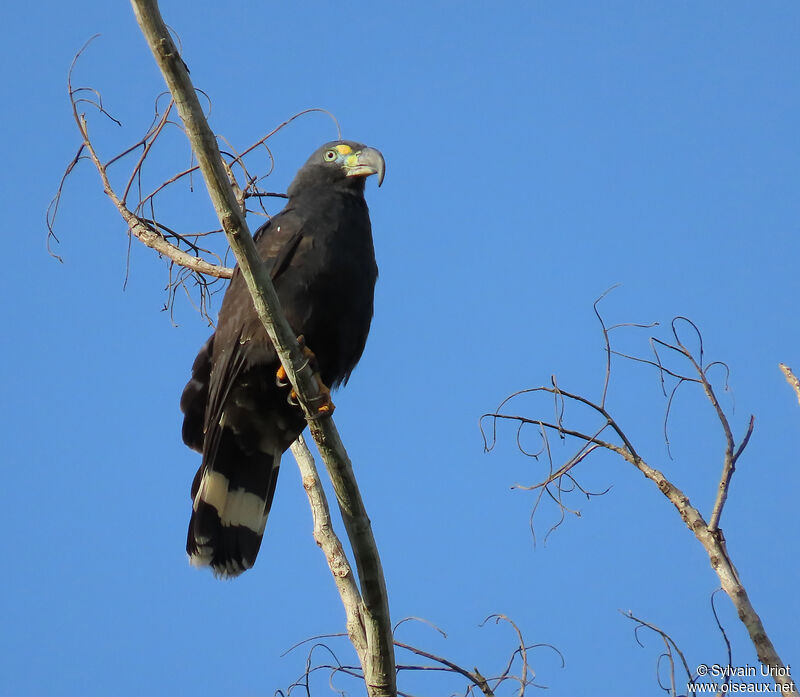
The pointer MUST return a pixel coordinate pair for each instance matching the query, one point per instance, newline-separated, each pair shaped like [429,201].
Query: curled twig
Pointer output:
[670,654]
[516,672]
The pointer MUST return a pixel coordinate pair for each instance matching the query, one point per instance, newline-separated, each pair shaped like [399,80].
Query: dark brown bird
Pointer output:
[320,252]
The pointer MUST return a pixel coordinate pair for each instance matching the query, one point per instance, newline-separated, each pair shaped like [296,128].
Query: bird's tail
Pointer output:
[229,512]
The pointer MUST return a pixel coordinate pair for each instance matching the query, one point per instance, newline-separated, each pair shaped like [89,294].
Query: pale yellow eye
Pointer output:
[330,155]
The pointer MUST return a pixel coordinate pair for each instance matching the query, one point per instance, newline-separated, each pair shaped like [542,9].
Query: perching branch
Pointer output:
[618,442]
[377,656]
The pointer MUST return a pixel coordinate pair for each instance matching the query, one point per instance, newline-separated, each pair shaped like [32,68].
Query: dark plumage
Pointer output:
[323,266]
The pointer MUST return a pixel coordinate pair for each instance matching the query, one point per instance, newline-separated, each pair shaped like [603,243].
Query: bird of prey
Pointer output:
[320,253]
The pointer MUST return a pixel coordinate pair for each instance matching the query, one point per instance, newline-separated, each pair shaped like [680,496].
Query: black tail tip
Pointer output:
[229,550]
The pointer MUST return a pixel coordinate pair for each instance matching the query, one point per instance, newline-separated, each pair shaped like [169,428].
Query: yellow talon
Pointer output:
[326,406]
[282,377]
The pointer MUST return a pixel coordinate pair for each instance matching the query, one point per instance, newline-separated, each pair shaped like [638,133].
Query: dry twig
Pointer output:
[516,676]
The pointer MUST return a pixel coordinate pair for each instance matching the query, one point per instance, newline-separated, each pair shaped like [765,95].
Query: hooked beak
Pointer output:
[365,163]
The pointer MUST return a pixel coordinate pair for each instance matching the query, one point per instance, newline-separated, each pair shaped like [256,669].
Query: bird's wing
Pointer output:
[195,397]
[278,239]
[203,398]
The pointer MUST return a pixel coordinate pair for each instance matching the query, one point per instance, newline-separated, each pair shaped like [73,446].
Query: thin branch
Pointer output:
[137,228]
[146,144]
[791,378]
[671,649]
[729,467]
[607,343]
[722,631]
[475,677]
[326,538]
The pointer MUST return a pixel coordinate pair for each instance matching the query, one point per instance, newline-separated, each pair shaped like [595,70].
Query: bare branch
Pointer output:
[140,230]
[708,534]
[728,468]
[607,342]
[326,538]
[180,250]
[473,676]
[791,378]
[517,669]
[721,629]
[523,675]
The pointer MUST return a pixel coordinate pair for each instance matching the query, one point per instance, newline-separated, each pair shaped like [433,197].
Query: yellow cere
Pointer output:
[344,149]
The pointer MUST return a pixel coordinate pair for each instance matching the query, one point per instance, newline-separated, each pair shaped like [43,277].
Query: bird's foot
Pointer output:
[282,379]
[322,404]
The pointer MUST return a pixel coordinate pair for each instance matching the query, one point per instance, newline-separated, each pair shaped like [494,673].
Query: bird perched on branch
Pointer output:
[320,252]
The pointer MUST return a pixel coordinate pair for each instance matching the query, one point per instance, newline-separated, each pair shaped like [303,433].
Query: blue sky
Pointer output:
[537,154]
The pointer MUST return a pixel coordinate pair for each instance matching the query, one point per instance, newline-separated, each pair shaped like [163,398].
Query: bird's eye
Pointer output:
[330,155]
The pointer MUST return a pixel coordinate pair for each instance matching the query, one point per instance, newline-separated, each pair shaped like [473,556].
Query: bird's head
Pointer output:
[340,161]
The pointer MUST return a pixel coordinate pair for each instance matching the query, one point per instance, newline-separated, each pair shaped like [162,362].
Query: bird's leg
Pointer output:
[282,379]
[323,405]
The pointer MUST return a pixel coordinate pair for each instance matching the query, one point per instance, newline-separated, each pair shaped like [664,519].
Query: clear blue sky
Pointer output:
[537,153]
